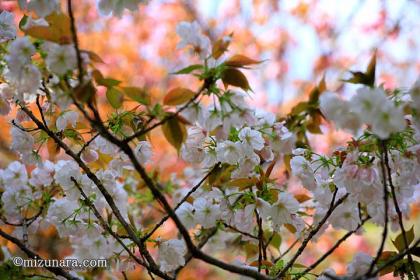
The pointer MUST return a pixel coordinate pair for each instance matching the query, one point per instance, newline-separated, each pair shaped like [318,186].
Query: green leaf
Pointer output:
[137,94]
[108,82]
[399,241]
[175,132]
[23,21]
[188,69]
[299,108]
[276,241]
[115,97]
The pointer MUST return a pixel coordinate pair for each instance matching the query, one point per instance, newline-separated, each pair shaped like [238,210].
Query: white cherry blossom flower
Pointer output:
[143,151]
[60,58]
[367,102]
[281,211]
[359,265]
[171,254]
[389,119]
[22,142]
[185,213]
[345,216]
[229,152]
[117,7]
[14,175]
[252,138]
[302,169]
[7,26]
[89,155]
[338,110]
[206,213]
[42,175]
[65,170]
[104,146]
[65,119]
[283,141]
[190,34]
[15,198]
[43,8]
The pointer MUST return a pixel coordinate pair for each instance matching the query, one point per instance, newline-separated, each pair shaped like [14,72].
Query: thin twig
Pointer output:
[385,198]
[193,190]
[313,232]
[33,255]
[400,218]
[75,42]
[331,250]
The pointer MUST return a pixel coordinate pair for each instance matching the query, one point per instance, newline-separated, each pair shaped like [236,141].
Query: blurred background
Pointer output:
[299,41]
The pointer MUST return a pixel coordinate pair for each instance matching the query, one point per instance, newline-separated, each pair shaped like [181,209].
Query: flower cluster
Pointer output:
[99,195]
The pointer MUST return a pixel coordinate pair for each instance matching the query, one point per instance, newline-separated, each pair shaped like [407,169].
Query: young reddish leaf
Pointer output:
[239,60]
[58,29]
[290,228]
[93,56]
[314,123]
[178,96]
[137,94]
[115,97]
[235,78]
[302,197]
[97,75]
[263,262]
[175,132]
[86,93]
[220,47]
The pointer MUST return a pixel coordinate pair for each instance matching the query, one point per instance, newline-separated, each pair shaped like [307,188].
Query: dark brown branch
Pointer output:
[106,227]
[56,270]
[75,42]
[200,245]
[240,231]
[193,190]
[396,258]
[100,186]
[331,250]
[400,217]
[385,198]
[165,204]
[87,144]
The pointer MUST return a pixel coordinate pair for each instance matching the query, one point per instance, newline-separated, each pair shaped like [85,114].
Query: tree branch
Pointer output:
[385,198]
[331,250]
[400,217]
[56,270]
[313,232]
